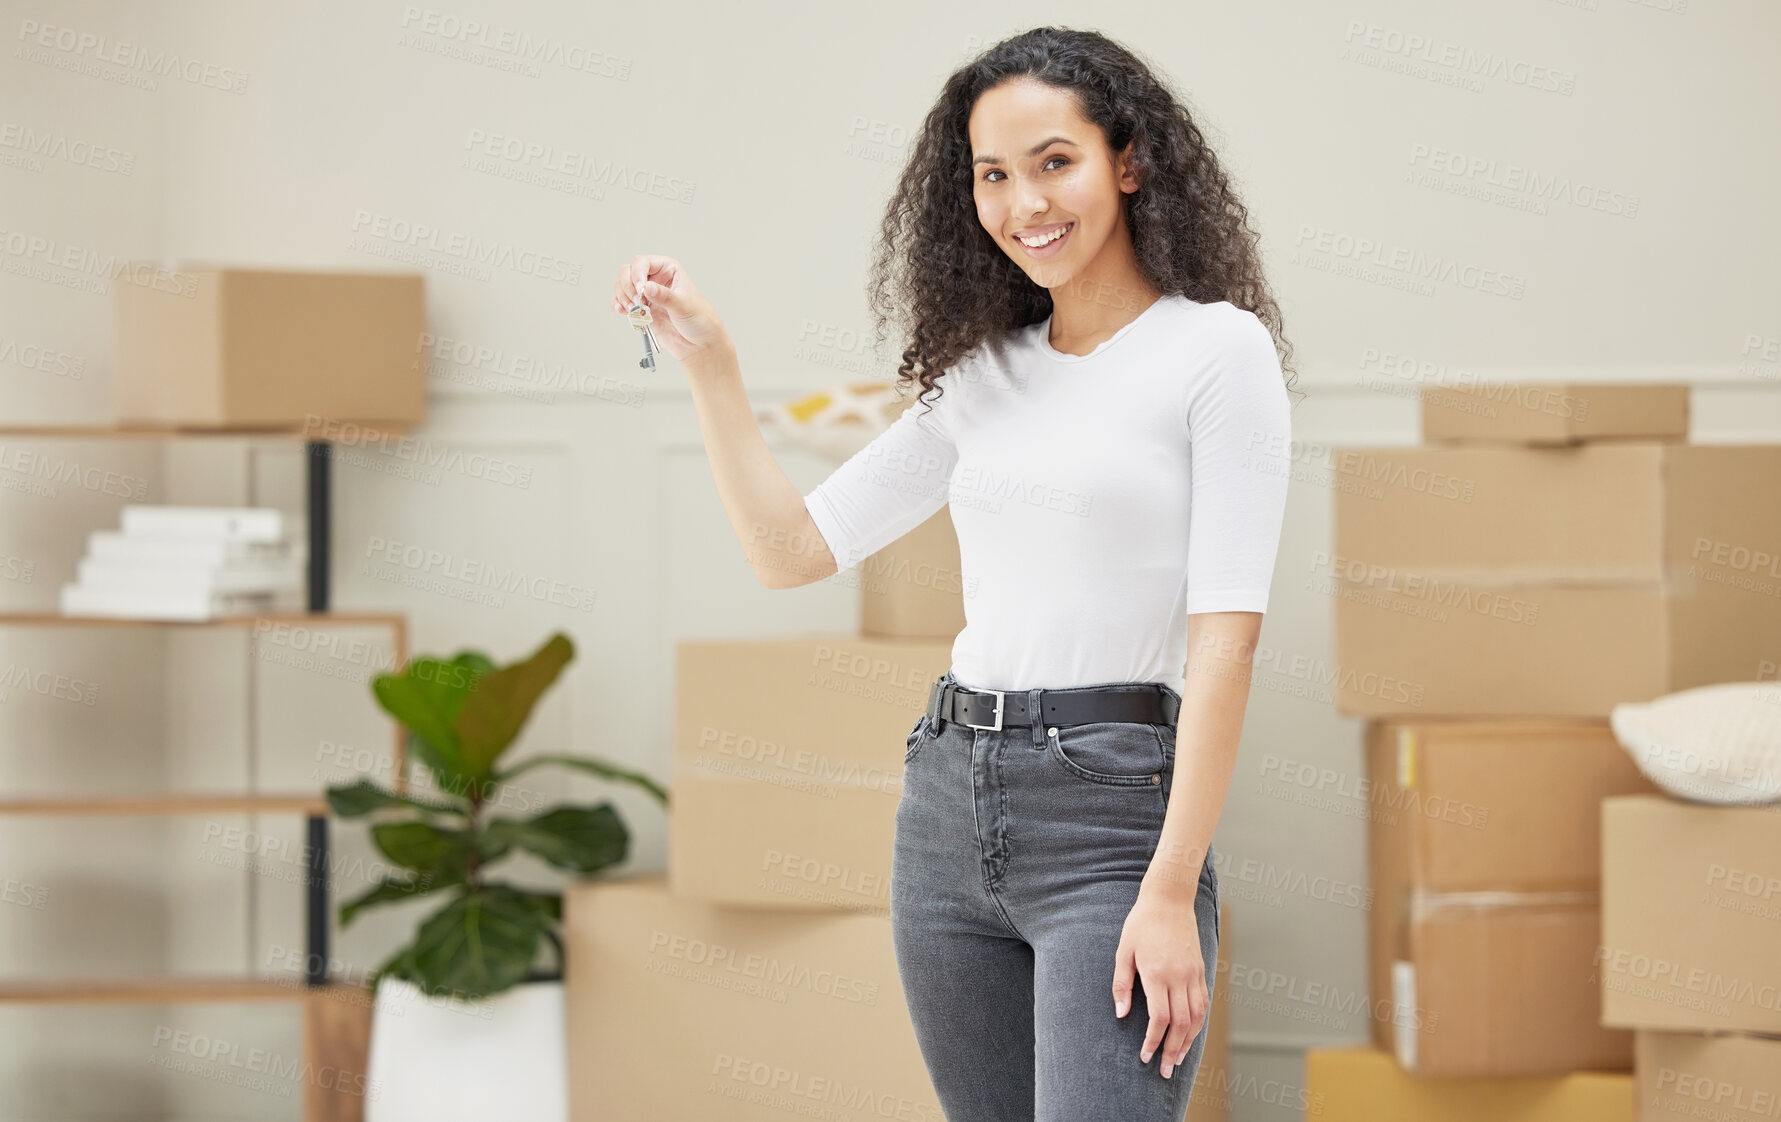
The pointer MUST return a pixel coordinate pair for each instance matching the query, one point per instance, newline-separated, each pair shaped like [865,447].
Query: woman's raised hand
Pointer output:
[682,320]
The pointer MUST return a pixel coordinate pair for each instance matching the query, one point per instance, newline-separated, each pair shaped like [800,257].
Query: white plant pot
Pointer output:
[451,1060]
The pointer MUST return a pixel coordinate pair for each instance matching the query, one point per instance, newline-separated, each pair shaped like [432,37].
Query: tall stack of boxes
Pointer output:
[1547,553]
[758,976]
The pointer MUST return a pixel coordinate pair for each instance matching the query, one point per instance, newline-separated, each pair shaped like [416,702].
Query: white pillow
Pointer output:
[1711,744]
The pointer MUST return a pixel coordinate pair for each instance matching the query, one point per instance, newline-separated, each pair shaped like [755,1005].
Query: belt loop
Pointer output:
[1037,716]
[1171,705]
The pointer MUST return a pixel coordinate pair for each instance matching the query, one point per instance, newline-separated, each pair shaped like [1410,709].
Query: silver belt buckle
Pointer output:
[998,725]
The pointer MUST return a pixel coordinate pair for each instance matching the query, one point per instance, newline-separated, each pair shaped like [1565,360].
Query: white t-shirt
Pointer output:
[1099,499]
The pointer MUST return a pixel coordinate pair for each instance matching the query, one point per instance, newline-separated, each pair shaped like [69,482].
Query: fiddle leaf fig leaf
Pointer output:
[493,714]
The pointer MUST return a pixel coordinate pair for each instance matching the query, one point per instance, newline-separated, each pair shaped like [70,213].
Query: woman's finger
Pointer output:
[1124,968]
[1158,1000]
[1181,1029]
[652,266]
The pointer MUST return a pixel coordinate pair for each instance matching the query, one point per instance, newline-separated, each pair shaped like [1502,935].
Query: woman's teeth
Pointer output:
[1045,239]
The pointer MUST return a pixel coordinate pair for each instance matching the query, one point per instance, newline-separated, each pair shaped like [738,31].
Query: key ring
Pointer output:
[640,319]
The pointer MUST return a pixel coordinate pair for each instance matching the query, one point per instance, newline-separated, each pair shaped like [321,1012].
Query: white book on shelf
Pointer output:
[223,523]
[115,545]
[187,606]
[125,576]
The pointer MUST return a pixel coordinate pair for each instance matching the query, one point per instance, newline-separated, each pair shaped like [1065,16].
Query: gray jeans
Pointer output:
[1018,856]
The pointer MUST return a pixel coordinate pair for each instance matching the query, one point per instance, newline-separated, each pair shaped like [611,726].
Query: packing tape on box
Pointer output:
[1423,579]
[1436,905]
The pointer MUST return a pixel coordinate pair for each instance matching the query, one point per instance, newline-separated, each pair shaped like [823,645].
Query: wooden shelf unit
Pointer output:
[316,989]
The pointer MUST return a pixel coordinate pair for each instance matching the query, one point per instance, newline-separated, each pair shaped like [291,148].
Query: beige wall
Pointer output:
[780,128]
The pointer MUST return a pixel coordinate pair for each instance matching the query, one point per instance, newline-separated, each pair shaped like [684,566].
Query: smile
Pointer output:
[1043,245]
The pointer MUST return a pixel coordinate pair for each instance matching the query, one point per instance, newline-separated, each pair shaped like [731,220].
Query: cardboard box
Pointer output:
[1505,805]
[822,709]
[1483,851]
[1518,413]
[1489,581]
[1731,1078]
[789,766]
[1364,1085]
[1502,986]
[269,349]
[1691,915]
[913,588]
[681,1009]
[786,846]
[1469,807]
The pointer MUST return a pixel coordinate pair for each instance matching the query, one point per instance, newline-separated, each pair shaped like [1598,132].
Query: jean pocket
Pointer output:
[1209,879]
[916,735]
[1111,753]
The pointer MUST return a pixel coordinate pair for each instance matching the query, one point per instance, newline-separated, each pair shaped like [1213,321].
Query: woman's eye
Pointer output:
[1046,167]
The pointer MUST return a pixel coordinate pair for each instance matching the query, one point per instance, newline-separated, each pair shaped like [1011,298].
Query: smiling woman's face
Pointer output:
[1040,168]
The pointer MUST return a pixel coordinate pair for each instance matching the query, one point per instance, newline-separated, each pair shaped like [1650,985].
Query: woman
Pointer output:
[1088,306]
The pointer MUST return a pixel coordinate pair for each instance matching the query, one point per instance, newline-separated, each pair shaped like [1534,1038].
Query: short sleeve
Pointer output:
[893,484]
[1239,427]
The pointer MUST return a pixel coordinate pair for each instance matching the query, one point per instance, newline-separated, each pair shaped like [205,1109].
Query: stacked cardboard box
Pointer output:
[1690,956]
[758,976]
[1550,552]
[1485,868]
[1513,579]
[1364,1085]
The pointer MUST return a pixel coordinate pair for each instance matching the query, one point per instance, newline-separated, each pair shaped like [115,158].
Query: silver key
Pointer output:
[640,318]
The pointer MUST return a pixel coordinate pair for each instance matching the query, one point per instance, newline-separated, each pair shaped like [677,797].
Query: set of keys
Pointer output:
[640,318]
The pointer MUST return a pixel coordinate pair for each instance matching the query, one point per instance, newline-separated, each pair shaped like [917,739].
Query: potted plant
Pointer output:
[474,954]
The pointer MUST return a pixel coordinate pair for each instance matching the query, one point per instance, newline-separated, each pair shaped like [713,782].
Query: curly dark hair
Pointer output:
[956,286]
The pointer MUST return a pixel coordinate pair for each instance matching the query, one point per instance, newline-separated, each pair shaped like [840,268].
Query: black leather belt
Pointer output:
[1143,703]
